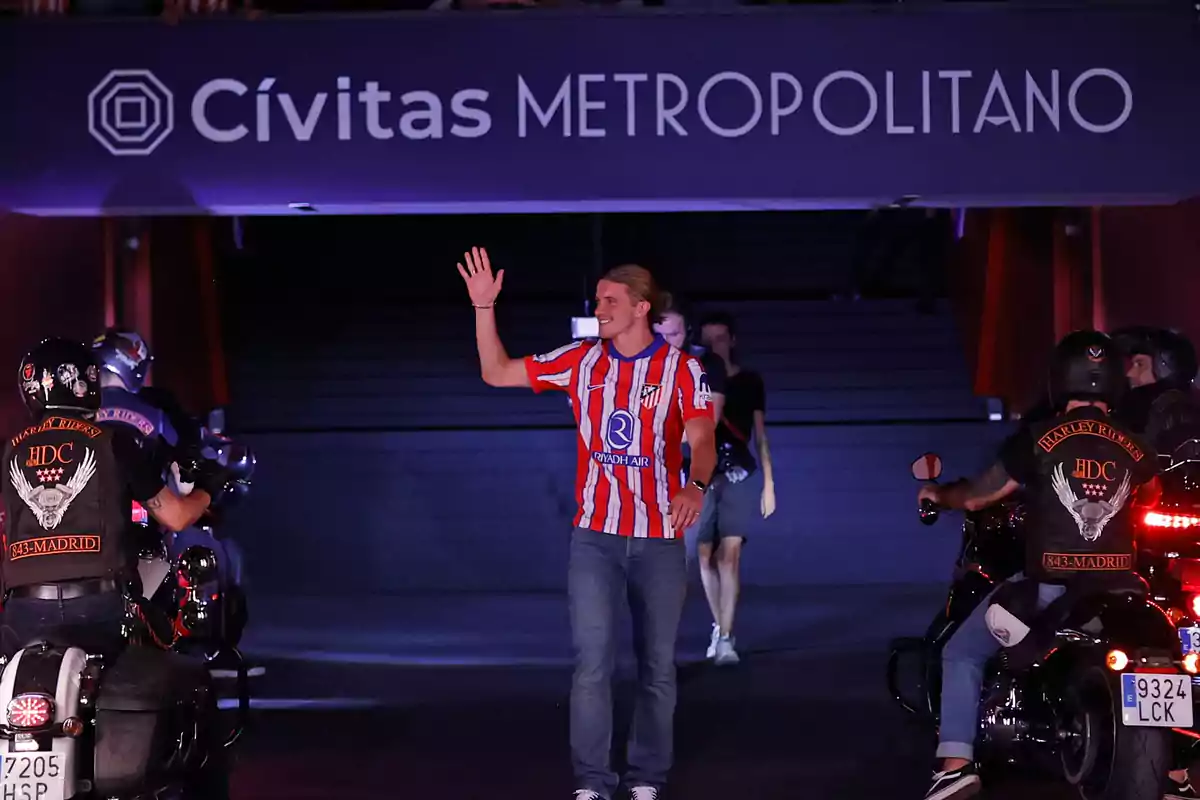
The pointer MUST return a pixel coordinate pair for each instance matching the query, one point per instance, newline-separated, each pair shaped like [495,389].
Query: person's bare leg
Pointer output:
[710,579]
[729,556]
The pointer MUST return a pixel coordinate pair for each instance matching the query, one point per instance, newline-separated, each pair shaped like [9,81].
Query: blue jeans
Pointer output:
[652,574]
[963,660]
[91,622]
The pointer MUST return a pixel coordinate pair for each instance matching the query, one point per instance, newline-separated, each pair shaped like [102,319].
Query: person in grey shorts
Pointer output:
[741,485]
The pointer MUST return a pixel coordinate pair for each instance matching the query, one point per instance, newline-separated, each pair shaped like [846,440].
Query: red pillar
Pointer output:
[987,377]
[140,314]
[210,302]
[1099,320]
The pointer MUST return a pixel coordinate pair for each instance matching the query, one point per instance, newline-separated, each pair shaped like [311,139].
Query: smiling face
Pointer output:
[617,309]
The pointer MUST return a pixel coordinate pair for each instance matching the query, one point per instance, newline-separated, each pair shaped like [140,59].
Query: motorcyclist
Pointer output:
[164,427]
[124,359]
[1081,470]
[1160,404]
[68,493]
[1161,367]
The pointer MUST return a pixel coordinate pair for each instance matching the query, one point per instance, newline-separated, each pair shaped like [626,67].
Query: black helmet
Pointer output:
[1086,365]
[1172,356]
[60,374]
[125,354]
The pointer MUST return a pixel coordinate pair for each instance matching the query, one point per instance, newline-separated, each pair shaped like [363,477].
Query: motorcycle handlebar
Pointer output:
[929,512]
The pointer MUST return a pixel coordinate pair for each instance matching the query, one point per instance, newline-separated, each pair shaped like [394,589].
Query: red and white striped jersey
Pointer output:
[631,412]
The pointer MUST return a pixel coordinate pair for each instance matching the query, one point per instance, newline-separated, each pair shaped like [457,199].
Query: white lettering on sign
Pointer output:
[733,104]
[131,112]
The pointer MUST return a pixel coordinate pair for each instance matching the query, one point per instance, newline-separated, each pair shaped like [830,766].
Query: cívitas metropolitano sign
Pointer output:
[582,106]
[497,112]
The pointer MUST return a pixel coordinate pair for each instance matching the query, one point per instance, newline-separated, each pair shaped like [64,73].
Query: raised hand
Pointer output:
[482,286]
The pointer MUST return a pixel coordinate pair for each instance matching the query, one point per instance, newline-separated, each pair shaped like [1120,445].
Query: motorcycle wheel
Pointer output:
[1101,758]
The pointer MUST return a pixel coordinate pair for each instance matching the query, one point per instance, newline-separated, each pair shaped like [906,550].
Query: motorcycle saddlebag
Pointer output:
[145,699]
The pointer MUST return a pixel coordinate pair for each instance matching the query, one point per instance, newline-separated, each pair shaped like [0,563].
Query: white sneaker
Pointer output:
[712,643]
[725,652]
[643,793]
[587,794]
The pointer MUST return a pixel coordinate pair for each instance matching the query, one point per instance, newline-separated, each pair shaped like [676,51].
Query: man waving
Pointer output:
[634,398]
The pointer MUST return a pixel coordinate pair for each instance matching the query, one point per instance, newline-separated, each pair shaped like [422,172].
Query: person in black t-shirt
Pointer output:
[69,486]
[736,492]
[1082,471]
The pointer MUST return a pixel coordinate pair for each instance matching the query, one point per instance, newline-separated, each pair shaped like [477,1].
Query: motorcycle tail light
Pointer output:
[30,711]
[1191,663]
[1159,519]
[1117,660]
[1194,605]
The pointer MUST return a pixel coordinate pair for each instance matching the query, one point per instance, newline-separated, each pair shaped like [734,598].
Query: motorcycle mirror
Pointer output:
[216,421]
[928,467]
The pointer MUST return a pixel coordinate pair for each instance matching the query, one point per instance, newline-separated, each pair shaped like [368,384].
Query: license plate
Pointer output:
[1157,701]
[32,776]
[1190,639]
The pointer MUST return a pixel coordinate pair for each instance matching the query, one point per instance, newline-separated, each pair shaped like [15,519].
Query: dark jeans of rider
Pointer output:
[91,622]
[963,660]
[652,574]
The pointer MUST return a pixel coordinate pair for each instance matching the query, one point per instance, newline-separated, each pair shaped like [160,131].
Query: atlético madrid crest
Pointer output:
[650,393]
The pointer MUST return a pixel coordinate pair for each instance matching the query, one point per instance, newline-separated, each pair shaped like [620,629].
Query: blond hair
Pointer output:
[642,286]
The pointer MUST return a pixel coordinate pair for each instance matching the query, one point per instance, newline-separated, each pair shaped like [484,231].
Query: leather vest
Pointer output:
[1173,419]
[66,502]
[148,422]
[126,408]
[1088,468]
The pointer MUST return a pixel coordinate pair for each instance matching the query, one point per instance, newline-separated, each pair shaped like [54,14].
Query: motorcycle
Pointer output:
[1097,709]
[991,551]
[1168,556]
[143,723]
[1168,544]
[210,614]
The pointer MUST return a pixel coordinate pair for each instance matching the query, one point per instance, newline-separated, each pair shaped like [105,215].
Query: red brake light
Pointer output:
[1157,519]
[30,711]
